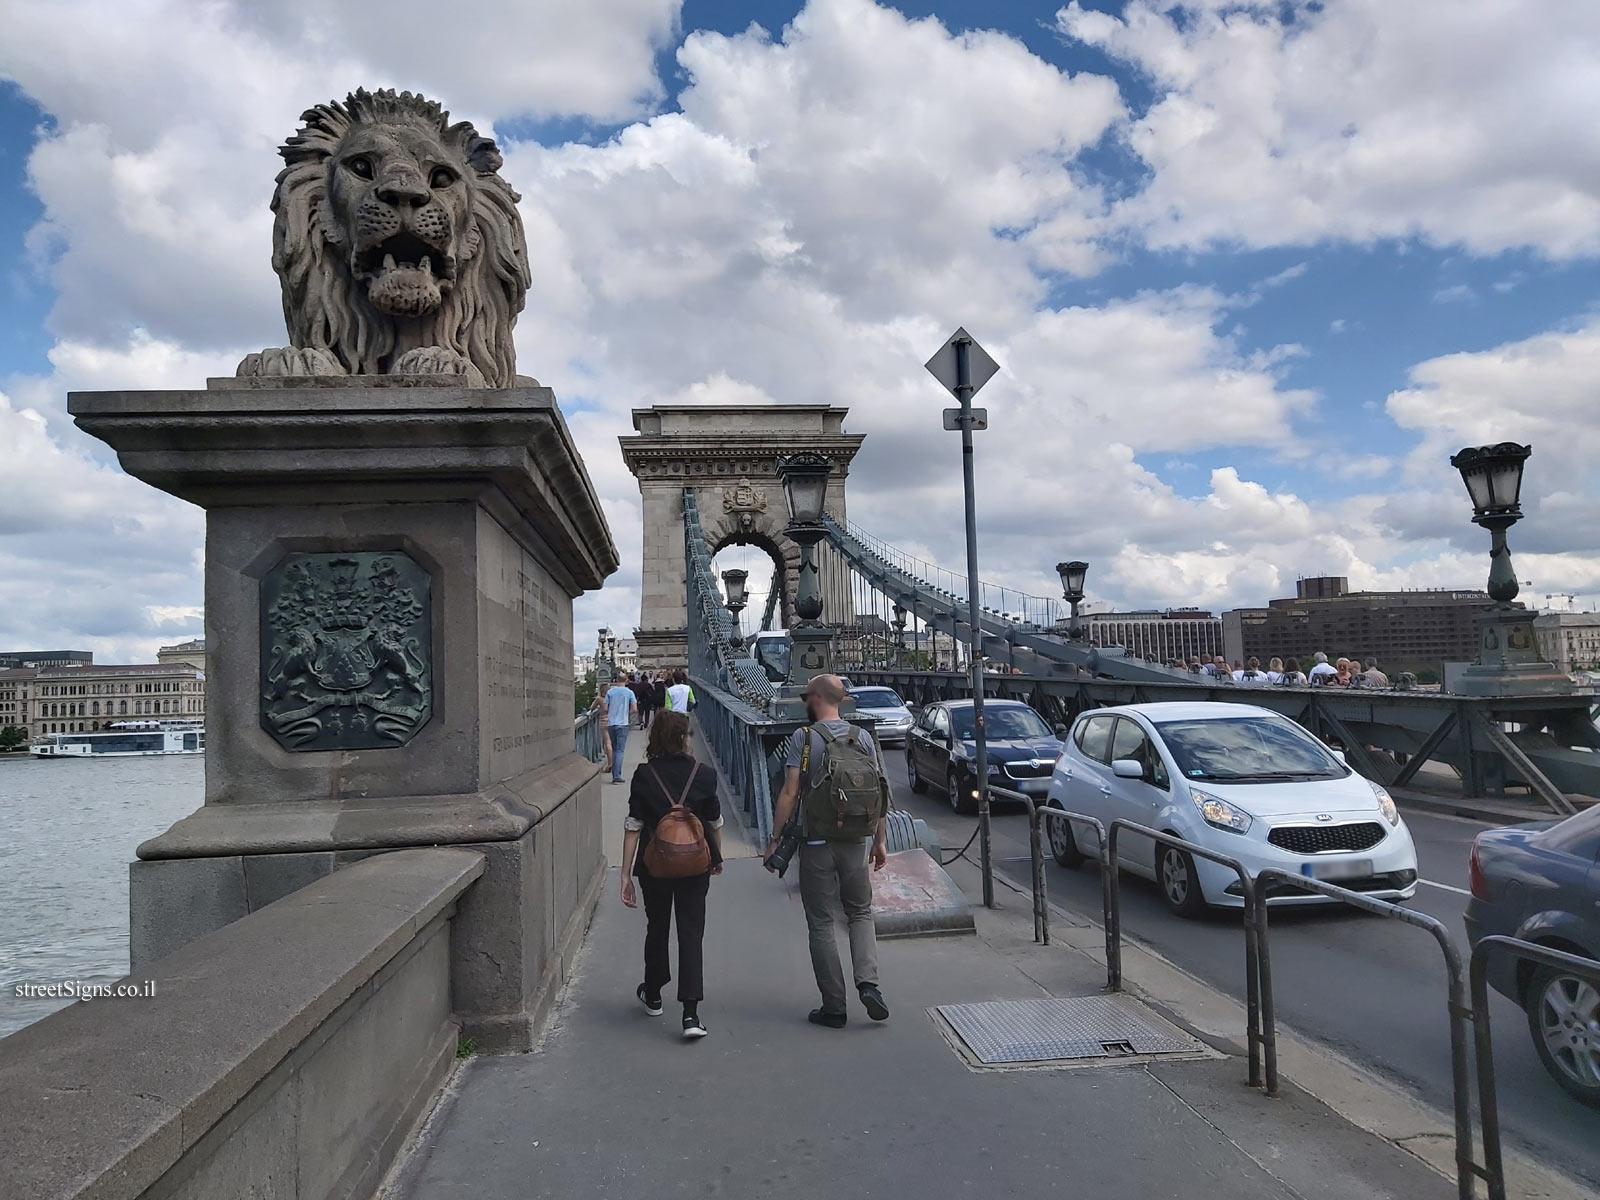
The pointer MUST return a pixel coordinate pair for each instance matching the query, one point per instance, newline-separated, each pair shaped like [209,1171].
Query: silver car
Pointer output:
[886,708]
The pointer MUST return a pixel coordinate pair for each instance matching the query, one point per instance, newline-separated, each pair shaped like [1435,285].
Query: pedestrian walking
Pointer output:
[658,692]
[680,696]
[621,707]
[674,875]
[833,775]
[642,693]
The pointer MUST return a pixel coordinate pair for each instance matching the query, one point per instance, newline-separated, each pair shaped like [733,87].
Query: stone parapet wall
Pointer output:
[288,1055]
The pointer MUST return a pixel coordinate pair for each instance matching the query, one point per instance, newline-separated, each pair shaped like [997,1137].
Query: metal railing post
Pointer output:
[1459,1013]
[1493,1169]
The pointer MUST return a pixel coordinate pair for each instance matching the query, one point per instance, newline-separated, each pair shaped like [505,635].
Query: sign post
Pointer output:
[963,367]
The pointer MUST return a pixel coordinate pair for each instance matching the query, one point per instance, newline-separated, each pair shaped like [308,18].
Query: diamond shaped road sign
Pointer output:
[942,366]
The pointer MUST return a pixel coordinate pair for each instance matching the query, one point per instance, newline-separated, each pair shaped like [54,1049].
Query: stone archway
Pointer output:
[784,554]
[729,456]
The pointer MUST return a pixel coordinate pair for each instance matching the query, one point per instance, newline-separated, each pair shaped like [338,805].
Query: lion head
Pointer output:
[393,232]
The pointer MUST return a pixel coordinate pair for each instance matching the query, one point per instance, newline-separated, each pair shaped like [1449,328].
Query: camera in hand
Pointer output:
[788,843]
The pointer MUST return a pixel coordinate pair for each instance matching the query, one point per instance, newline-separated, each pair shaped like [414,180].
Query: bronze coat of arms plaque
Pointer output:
[346,651]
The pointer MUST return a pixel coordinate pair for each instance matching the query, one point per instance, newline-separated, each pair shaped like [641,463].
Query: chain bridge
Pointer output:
[709,477]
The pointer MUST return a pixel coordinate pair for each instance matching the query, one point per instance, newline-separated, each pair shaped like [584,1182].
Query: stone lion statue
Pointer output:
[397,244]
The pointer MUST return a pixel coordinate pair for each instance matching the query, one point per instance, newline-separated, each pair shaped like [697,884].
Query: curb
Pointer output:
[1366,1100]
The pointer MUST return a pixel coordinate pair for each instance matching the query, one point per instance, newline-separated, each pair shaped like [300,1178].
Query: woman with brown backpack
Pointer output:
[672,845]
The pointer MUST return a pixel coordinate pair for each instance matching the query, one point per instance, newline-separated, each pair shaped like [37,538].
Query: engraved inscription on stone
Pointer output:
[346,651]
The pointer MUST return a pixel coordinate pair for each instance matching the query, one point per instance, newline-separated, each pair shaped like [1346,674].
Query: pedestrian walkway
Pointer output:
[616,1105]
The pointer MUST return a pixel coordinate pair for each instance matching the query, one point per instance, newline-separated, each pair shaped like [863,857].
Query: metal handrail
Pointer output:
[1258,1033]
[1493,1169]
[588,737]
[1466,1168]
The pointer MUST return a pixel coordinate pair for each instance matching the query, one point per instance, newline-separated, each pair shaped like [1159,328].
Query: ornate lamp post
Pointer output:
[1508,658]
[899,633]
[733,582]
[1072,575]
[805,489]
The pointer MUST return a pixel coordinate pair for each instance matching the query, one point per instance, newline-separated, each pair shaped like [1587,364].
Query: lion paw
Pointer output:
[436,360]
[290,360]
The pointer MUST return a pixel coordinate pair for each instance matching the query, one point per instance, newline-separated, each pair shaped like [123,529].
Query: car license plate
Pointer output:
[1338,868]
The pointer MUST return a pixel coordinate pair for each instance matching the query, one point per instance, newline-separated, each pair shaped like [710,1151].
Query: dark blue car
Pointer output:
[1541,883]
[1022,750]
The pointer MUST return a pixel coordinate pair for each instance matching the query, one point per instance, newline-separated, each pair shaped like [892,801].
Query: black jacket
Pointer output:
[648,801]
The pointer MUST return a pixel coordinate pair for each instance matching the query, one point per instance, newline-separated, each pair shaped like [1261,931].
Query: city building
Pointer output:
[86,697]
[1415,631]
[582,664]
[15,687]
[1158,636]
[191,652]
[43,658]
[1569,640]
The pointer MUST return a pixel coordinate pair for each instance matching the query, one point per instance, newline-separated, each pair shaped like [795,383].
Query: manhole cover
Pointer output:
[1017,1031]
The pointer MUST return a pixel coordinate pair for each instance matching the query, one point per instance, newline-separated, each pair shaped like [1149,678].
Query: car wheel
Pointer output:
[917,784]
[1062,844]
[959,799]
[1564,1018]
[1180,886]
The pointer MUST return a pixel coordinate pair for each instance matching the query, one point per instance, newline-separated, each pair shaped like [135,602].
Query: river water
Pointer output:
[68,830]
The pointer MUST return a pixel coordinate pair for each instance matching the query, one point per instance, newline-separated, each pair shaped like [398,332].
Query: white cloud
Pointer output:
[825,206]
[1291,123]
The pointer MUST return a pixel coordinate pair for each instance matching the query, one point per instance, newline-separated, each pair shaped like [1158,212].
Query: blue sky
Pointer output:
[1253,270]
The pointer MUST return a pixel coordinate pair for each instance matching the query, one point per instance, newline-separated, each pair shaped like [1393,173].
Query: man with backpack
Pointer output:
[833,775]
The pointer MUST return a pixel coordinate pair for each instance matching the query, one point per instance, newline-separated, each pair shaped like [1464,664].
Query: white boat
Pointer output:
[125,739]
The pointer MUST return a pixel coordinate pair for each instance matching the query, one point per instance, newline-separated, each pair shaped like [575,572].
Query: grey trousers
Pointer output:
[835,875]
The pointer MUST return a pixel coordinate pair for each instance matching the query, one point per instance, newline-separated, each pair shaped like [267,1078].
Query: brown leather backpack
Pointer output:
[677,848]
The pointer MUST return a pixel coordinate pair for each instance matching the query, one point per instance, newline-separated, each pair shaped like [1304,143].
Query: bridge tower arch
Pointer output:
[729,455]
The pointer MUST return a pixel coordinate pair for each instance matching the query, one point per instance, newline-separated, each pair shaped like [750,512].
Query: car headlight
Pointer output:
[1386,806]
[1219,814]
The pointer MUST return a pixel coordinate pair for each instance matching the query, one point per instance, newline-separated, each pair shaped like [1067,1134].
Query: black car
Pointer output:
[1541,883]
[1022,750]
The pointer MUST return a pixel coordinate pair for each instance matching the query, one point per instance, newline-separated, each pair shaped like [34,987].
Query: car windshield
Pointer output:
[1003,723]
[876,698]
[1247,750]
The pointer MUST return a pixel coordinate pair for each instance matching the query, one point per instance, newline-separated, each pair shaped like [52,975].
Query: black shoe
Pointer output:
[873,999]
[821,1016]
[692,1028]
[653,1007]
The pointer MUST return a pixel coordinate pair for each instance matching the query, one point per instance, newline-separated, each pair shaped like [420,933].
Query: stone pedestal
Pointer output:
[390,569]
[1508,659]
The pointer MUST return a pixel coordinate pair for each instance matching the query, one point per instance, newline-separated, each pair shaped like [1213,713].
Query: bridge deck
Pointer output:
[615,1105]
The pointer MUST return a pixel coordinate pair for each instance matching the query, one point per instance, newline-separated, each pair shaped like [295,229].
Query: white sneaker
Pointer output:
[693,1029]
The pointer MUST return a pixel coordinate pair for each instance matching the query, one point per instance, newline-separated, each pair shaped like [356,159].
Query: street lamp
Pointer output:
[899,633]
[1072,575]
[1508,658]
[805,490]
[733,581]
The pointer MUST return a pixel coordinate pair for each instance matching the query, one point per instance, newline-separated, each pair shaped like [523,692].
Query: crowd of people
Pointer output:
[1286,672]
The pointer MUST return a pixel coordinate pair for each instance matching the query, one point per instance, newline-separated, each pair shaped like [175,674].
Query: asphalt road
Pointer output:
[1371,988]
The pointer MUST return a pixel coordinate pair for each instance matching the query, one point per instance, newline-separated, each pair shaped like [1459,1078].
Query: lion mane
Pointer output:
[324,307]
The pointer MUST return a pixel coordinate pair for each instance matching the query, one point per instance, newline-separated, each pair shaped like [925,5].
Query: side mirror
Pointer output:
[1061,733]
[940,735]
[1128,768]
[1339,754]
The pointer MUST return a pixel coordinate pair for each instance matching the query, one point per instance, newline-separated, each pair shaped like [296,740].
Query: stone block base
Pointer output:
[516,931]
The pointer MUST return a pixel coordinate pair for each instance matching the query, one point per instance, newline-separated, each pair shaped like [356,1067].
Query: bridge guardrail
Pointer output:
[589,739]
[1493,1169]
[1460,1071]
[748,746]
[1257,1013]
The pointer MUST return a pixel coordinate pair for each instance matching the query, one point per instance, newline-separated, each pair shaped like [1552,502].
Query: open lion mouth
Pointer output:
[406,275]
[406,251]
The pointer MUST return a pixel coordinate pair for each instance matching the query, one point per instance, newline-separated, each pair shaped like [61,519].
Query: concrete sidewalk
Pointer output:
[615,1104]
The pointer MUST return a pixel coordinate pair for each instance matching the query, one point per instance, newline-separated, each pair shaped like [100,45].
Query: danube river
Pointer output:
[68,830]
